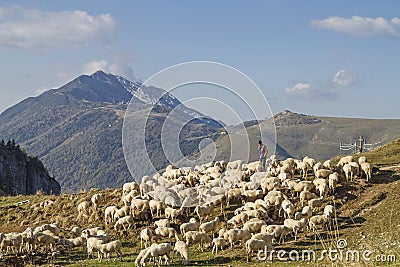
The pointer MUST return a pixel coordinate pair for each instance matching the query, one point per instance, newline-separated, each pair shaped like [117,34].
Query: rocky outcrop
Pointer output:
[21,174]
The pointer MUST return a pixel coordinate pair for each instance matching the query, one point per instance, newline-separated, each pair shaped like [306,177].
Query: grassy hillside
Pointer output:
[368,218]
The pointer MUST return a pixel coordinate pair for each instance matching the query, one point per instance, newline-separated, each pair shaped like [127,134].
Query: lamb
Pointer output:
[96,200]
[157,206]
[218,242]
[287,207]
[124,222]
[197,237]
[157,250]
[204,211]
[305,196]
[333,181]
[183,250]
[295,225]
[254,245]
[317,220]
[76,231]
[366,168]
[83,208]
[168,232]
[107,248]
[109,214]
[171,213]
[192,225]
[210,226]
[237,235]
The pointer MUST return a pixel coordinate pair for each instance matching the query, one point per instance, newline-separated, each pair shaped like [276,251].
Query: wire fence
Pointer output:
[357,148]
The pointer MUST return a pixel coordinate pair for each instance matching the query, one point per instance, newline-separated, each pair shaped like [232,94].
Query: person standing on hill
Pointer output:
[262,153]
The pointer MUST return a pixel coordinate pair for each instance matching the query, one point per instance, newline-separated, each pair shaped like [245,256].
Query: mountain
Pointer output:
[21,174]
[77,129]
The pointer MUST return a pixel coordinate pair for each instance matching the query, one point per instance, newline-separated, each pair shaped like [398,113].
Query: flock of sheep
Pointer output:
[185,207]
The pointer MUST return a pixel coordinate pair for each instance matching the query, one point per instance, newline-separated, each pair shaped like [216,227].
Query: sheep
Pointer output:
[47,240]
[306,212]
[254,226]
[74,242]
[366,168]
[274,198]
[356,168]
[317,166]
[235,165]
[295,225]
[76,231]
[139,204]
[109,214]
[91,232]
[183,250]
[140,256]
[310,161]
[96,200]
[344,160]
[237,235]
[168,232]
[268,238]
[348,171]
[157,250]
[239,219]
[322,186]
[333,180]
[124,222]
[146,235]
[83,208]
[128,187]
[305,196]
[362,160]
[171,213]
[232,194]
[287,168]
[322,173]
[127,199]
[287,207]
[162,223]
[329,210]
[210,226]
[316,202]
[218,242]
[317,220]
[280,232]
[157,206]
[204,211]
[328,164]
[251,195]
[270,183]
[122,212]
[254,245]
[192,225]
[297,186]
[92,243]
[197,237]
[107,248]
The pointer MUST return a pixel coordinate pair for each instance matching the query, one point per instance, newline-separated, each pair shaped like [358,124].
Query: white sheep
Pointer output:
[168,232]
[254,226]
[238,220]
[83,208]
[146,235]
[209,227]
[107,248]
[183,250]
[235,165]
[315,203]
[76,231]
[366,168]
[306,196]
[295,225]
[122,212]
[349,171]
[253,245]
[317,220]
[156,206]
[125,222]
[128,187]
[139,204]
[333,181]
[328,164]
[197,237]
[344,160]
[237,235]
[192,225]
[306,212]
[322,173]
[172,214]
[74,242]
[155,251]
[204,211]
[288,208]
[109,214]
[140,256]
[218,242]
[96,200]
[162,223]
[362,160]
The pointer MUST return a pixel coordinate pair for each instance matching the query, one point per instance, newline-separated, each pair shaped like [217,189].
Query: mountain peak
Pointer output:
[287,118]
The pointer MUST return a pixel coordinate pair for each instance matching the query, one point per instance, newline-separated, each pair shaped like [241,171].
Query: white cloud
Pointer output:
[116,68]
[299,88]
[343,78]
[364,26]
[44,30]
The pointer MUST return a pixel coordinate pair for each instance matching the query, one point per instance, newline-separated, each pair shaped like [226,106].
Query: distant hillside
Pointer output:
[21,174]
[77,129]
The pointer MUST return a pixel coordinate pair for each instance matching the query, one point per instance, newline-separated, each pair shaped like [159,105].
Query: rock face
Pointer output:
[23,175]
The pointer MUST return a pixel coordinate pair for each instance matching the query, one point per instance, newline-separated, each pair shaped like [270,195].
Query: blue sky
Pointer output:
[334,58]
